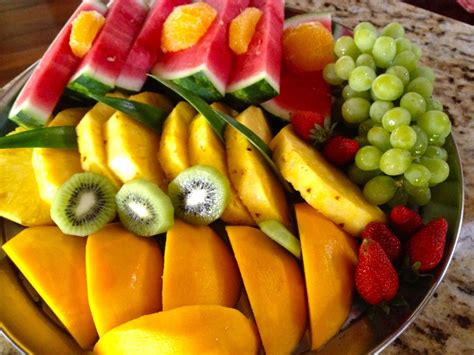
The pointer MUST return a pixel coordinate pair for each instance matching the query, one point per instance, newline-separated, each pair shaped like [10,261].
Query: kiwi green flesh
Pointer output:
[280,234]
[84,204]
[199,194]
[144,209]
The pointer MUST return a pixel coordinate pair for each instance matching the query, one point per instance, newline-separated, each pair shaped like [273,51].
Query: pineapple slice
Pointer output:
[206,148]
[91,140]
[257,186]
[173,152]
[54,166]
[131,147]
[323,186]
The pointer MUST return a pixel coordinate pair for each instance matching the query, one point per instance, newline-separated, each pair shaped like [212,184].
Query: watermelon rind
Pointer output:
[29,116]
[86,83]
[340,30]
[323,17]
[253,90]
[276,110]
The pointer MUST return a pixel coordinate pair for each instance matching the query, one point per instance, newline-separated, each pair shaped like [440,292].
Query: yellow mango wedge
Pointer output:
[322,185]
[206,148]
[275,288]
[131,146]
[199,268]
[54,166]
[123,276]
[257,186]
[204,329]
[329,258]
[55,265]
[173,152]
[91,140]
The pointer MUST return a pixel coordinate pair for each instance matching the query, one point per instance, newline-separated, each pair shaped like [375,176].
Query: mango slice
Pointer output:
[85,28]
[55,265]
[329,258]
[322,185]
[173,152]
[199,268]
[123,276]
[275,288]
[242,29]
[204,329]
[257,186]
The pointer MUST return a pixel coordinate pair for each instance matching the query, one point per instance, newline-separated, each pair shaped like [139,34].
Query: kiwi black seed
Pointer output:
[143,208]
[199,194]
[84,204]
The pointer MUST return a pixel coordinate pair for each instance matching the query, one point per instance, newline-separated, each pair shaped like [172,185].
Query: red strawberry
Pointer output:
[427,245]
[313,127]
[405,221]
[340,150]
[375,277]
[383,235]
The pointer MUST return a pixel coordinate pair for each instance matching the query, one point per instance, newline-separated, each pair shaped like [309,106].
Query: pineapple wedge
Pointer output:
[206,148]
[323,186]
[131,147]
[91,140]
[54,166]
[257,186]
[173,153]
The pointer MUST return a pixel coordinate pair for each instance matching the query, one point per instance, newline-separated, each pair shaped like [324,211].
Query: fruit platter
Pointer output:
[222,177]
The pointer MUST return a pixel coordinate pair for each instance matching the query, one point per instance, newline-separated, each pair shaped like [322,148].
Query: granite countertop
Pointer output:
[446,325]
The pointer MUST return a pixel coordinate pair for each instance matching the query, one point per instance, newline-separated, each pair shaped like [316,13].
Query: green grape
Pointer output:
[365,25]
[345,46]
[403,137]
[394,30]
[384,51]
[348,92]
[400,199]
[417,175]
[421,85]
[416,50]
[438,168]
[433,104]
[403,44]
[406,59]
[418,195]
[401,72]
[387,87]
[368,157]
[364,127]
[423,71]
[362,141]
[435,124]
[395,161]
[360,177]
[355,110]
[436,153]
[364,39]
[378,109]
[395,117]
[330,76]
[366,60]
[421,143]
[361,78]
[372,95]
[380,189]
[380,138]
[344,67]
[413,103]
[437,141]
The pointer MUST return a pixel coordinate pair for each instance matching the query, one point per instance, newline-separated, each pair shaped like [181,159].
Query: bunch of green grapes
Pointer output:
[402,128]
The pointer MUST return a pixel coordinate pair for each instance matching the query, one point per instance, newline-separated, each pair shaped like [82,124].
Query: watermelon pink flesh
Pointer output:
[103,63]
[262,61]
[44,88]
[147,46]
[204,67]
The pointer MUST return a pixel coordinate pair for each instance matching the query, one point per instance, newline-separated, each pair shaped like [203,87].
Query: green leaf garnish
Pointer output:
[276,231]
[47,137]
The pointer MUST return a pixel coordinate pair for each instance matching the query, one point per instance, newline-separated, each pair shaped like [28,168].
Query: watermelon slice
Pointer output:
[36,101]
[323,17]
[205,67]
[146,49]
[340,30]
[102,64]
[256,74]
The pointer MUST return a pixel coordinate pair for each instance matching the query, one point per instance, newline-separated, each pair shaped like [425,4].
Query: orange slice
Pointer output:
[242,29]
[85,28]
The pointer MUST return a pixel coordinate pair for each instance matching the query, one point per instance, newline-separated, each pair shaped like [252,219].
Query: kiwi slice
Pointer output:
[199,194]
[280,234]
[84,204]
[143,208]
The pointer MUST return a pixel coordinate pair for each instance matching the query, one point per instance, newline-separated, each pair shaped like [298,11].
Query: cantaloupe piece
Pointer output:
[275,288]
[199,268]
[329,258]
[204,329]
[123,276]
[55,265]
